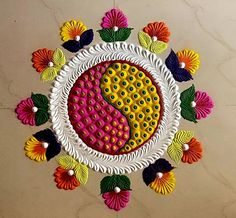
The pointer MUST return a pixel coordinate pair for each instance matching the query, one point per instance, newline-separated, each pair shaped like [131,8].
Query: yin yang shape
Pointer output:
[114,107]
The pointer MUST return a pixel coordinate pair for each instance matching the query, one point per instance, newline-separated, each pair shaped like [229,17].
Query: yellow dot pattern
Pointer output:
[132,92]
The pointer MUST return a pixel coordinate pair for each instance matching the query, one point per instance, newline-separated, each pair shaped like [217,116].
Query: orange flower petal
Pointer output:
[34,149]
[165,184]
[158,29]
[41,58]
[65,181]
[194,153]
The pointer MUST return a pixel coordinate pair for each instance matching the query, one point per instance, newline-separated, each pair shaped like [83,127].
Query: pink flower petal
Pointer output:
[25,113]
[114,17]
[204,104]
[116,201]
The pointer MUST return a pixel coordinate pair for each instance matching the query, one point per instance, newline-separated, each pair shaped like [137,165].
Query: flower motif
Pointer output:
[192,151]
[33,111]
[204,104]
[72,29]
[48,62]
[116,200]
[158,31]
[115,26]
[195,105]
[70,174]
[185,147]
[154,37]
[41,58]
[189,60]
[35,150]
[177,69]
[114,18]
[25,112]
[42,146]
[75,35]
[65,179]
[159,177]
[115,191]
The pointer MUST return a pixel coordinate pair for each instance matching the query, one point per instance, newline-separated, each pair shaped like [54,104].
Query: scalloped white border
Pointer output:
[150,151]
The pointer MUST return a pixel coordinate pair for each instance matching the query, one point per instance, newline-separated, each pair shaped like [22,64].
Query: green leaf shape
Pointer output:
[175,152]
[41,117]
[109,183]
[158,47]
[49,74]
[67,162]
[183,137]
[109,35]
[40,101]
[144,40]
[58,58]
[81,173]
[187,111]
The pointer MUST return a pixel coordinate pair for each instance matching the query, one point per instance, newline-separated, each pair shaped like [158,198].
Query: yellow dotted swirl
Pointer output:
[133,93]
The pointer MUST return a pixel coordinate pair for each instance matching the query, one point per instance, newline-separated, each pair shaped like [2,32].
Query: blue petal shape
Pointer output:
[72,45]
[179,74]
[172,61]
[161,165]
[54,147]
[86,37]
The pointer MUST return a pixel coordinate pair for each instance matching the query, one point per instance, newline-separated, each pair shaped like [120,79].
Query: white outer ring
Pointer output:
[150,151]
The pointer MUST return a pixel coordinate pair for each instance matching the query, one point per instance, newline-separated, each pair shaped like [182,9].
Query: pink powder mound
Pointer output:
[98,124]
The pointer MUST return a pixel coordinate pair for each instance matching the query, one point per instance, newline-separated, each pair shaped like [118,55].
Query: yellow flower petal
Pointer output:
[71,29]
[164,185]
[190,58]
[34,150]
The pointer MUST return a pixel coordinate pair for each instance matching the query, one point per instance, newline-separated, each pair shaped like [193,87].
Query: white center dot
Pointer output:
[50,64]
[45,144]
[185,147]
[34,109]
[117,189]
[71,172]
[154,38]
[193,104]
[182,65]
[115,28]
[159,175]
[77,38]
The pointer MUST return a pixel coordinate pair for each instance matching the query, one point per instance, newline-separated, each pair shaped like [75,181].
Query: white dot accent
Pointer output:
[117,189]
[45,144]
[182,65]
[71,172]
[193,104]
[154,38]
[34,109]
[50,64]
[77,38]
[115,28]
[185,147]
[159,175]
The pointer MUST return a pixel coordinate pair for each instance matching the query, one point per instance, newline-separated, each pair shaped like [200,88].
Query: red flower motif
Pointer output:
[64,180]
[25,112]
[159,30]
[193,153]
[41,58]
[116,201]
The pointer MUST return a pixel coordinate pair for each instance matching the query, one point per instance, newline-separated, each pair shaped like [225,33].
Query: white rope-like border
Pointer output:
[150,151]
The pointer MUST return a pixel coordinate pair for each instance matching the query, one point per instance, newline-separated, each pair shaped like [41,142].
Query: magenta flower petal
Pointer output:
[114,17]
[25,113]
[204,104]
[116,201]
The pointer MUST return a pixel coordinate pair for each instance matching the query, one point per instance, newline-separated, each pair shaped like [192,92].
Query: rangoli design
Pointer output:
[115,107]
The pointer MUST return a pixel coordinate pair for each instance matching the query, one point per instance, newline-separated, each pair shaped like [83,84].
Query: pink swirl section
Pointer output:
[98,124]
